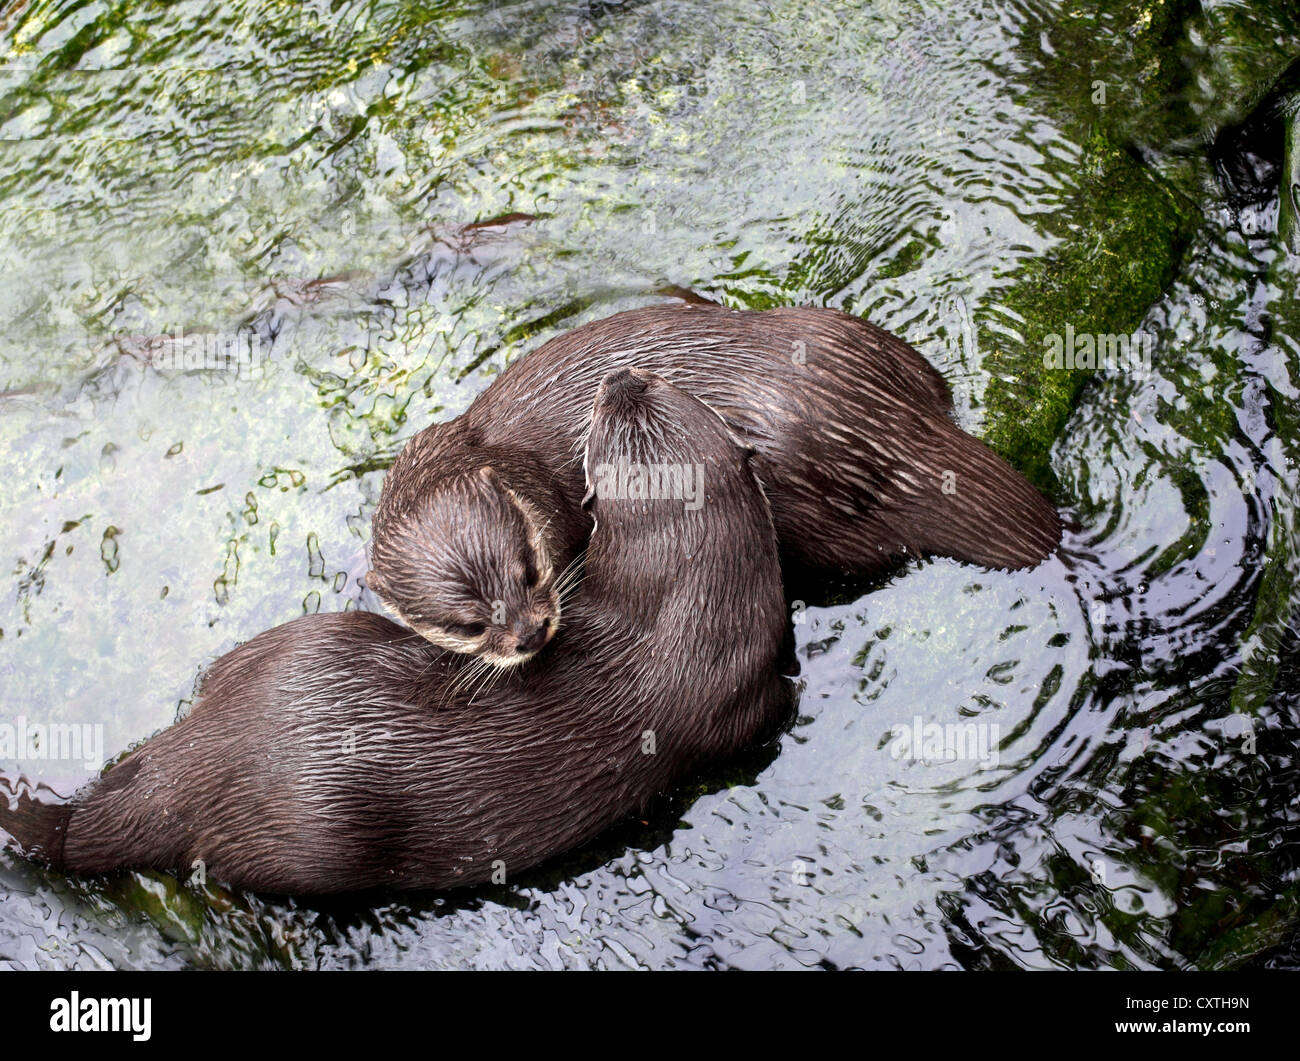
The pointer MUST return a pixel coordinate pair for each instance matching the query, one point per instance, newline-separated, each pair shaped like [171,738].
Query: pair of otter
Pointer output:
[855,447]
[342,752]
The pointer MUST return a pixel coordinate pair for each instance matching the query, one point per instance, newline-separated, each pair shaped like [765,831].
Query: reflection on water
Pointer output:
[301,184]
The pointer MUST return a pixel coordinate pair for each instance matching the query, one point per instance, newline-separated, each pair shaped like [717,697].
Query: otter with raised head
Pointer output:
[855,444]
[342,752]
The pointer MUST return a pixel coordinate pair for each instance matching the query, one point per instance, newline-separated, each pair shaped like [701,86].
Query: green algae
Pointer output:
[1122,234]
[207,920]
[1288,222]
[1119,234]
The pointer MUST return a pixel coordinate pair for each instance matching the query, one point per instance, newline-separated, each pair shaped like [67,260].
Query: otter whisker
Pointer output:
[489,674]
[569,577]
[466,676]
[496,675]
[570,580]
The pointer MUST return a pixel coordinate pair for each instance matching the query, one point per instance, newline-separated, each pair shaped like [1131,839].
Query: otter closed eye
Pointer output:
[474,547]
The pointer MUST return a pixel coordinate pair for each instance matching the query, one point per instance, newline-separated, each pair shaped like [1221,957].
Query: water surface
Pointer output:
[298,179]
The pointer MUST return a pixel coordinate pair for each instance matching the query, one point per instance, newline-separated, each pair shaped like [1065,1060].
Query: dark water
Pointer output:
[300,178]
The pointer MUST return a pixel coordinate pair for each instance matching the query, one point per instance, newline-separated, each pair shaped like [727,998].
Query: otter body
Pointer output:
[343,752]
[855,446]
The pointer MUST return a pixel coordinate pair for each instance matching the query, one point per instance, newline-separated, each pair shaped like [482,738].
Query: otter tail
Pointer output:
[984,512]
[39,829]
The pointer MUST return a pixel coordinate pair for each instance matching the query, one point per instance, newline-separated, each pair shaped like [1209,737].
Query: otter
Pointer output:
[856,447]
[343,752]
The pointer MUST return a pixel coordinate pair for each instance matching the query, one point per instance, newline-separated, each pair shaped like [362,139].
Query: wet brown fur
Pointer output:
[855,443]
[343,752]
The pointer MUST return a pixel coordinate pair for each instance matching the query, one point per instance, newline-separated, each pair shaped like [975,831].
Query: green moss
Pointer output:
[904,261]
[177,912]
[217,926]
[1122,234]
[1288,225]
[1240,943]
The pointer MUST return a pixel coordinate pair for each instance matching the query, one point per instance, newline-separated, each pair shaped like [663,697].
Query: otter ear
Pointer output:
[488,474]
[589,498]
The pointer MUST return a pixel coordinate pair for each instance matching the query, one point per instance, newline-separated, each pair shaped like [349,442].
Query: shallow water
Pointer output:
[298,180]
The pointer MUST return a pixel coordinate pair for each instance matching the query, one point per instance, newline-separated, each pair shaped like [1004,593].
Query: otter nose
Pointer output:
[531,640]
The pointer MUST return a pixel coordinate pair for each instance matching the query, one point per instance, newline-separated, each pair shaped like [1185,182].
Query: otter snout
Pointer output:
[530,638]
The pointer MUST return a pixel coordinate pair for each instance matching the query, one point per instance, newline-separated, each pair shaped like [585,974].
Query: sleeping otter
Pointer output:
[855,443]
[342,752]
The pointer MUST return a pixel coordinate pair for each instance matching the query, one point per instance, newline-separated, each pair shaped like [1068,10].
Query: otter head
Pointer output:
[467,567]
[650,448]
